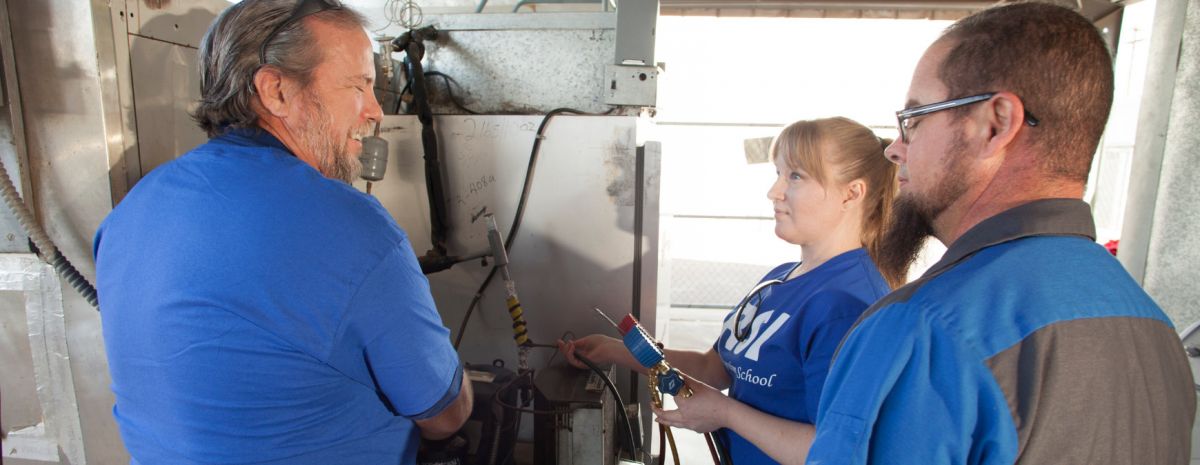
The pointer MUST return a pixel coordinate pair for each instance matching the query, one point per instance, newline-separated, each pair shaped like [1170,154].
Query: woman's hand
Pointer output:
[599,349]
[706,410]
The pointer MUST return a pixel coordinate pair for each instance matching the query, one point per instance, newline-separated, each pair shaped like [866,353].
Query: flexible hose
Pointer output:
[671,441]
[712,449]
[412,43]
[662,444]
[723,456]
[45,247]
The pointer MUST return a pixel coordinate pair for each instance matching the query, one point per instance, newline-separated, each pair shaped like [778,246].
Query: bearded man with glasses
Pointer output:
[1027,342]
[256,307]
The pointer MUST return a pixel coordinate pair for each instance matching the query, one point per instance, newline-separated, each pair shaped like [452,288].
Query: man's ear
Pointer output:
[273,90]
[1005,118]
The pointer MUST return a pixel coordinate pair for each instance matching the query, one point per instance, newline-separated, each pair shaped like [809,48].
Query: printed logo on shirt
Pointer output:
[758,335]
[747,375]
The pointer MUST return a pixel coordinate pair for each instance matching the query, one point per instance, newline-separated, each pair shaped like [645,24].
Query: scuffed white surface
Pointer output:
[60,428]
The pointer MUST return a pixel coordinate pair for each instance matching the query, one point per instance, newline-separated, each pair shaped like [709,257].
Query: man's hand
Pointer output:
[445,424]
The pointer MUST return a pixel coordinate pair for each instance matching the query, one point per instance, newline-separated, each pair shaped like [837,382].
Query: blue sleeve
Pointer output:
[821,347]
[828,315]
[904,390]
[405,345]
[865,372]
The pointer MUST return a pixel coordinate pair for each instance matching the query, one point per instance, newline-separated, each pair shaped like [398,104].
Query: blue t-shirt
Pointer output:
[255,311]
[794,328]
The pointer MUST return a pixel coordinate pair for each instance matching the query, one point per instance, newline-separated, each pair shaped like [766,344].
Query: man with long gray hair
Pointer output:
[256,307]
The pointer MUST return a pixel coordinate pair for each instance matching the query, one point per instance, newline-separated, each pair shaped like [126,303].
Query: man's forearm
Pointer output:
[451,418]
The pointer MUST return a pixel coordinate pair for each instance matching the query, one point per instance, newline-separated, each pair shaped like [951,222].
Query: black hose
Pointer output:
[635,445]
[45,246]
[528,184]
[462,327]
[412,42]
[433,170]
[450,83]
[722,450]
[712,450]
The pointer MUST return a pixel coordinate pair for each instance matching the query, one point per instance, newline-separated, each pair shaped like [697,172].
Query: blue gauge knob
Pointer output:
[642,347]
[670,382]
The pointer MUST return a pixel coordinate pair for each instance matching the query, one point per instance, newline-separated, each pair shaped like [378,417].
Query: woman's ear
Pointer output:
[854,193]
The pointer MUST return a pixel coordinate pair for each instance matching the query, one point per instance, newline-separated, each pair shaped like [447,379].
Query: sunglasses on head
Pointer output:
[302,9]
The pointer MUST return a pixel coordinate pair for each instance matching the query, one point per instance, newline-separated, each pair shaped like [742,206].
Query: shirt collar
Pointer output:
[1046,217]
[253,136]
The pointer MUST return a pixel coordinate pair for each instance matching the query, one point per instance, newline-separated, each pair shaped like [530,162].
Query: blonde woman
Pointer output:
[832,197]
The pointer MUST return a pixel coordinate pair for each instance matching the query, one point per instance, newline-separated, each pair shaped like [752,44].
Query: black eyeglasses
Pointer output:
[740,332]
[302,9]
[903,117]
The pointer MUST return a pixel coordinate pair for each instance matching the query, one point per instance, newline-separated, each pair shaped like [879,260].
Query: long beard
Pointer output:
[333,159]
[912,218]
[905,236]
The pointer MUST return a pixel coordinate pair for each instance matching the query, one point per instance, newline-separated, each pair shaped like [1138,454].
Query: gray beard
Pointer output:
[333,160]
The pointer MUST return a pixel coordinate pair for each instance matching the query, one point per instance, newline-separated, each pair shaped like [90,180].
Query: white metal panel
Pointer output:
[166,86]
[12,138]
[124,162]
[182,23]
[575,246]
[65,68]
[58,429]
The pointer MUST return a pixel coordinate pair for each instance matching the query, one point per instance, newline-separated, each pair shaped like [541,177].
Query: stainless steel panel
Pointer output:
[590,439]
[576,245]
[631,85]
[180,23]
[72,124]
[157,67]
[20,407]
[517,22]
[647,297]
[12,236]
[585,433]
[636,32]
[12,139]
[166,85]
[124,161]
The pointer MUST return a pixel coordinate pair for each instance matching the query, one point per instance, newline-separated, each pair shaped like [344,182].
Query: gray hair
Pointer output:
[229,55]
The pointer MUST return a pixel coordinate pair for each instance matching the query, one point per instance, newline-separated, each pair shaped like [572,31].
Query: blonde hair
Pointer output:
[852,152]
